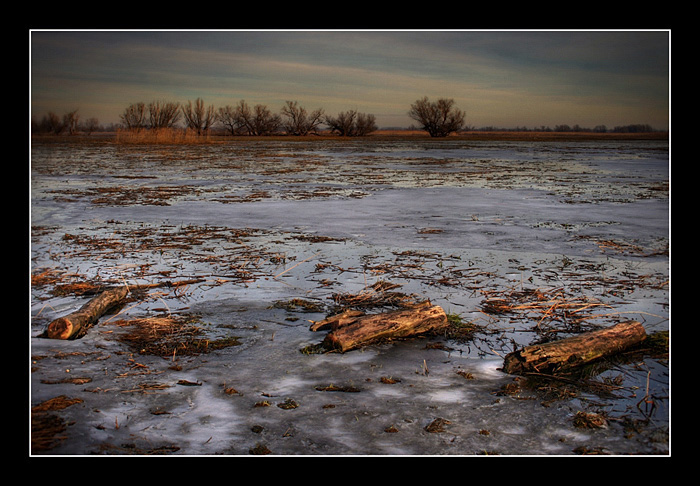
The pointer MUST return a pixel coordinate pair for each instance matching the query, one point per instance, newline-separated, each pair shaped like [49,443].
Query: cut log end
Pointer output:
[61,328]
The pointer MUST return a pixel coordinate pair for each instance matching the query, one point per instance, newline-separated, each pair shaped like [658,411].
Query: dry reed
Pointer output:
[160,136]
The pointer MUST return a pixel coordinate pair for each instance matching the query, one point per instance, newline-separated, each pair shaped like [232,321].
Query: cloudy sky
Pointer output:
[499,78]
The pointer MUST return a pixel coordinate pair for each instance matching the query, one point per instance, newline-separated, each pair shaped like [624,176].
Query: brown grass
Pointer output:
[375,296]
[170,336]
[180,136]
[47,429]
[523,136]
[161,136]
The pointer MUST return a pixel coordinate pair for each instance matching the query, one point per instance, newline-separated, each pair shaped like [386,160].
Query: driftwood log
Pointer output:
[76,323]
[568,353]
[73,324]
[353,329]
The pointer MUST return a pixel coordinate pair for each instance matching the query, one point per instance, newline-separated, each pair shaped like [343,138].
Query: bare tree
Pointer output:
[439,119]
[70,121]
[198,117]
[90,125]
[364,124]
[243,117]
[163,114]
[258,121]
[298,122]
[134,116]
[231,119]
[342,124]
[264,121]
[51,123]
[351,124]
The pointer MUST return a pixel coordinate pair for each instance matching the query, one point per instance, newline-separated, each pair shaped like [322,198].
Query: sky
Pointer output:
[504,79]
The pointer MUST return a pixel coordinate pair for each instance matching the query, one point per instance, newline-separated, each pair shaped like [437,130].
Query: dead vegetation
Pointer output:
[125,195]
[291,194]
[235,255]
[437,426]
[165,136]
[170,336]
[551,310]
[603,378]
[378,295]
[589,300]
[624,248]
[47,429]
[298,305]
[228,252]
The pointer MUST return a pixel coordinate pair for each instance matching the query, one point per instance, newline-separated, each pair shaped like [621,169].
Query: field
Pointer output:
[519,239]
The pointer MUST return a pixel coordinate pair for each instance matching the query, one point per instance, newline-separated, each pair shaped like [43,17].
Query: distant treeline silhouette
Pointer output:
[635,128]
[437,118]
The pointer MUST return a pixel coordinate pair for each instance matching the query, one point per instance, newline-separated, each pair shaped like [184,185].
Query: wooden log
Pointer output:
[568,353]
[345,317]
[353,331]
[70,326]
[76,323]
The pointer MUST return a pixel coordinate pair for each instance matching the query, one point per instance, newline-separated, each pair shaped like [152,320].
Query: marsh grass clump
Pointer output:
[589,420]
[657,344]
[437,426]
[317,348]
[378,295]
[170,336]
[458,328]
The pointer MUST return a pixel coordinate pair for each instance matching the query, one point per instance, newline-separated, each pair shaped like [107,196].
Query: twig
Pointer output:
[291,268]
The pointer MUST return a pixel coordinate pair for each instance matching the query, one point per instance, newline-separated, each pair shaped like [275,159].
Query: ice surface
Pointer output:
[447,220]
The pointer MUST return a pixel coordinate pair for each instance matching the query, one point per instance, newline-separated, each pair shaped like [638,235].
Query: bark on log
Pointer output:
[566,354]
[351,330]
[70,326]
[345,317]
[74,324]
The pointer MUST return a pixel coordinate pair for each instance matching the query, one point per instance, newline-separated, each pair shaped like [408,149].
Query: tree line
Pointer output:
[239,119]
[634,128]
[70,123]
[439,118]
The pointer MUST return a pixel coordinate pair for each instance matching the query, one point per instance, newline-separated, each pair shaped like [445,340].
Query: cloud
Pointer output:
[509,77]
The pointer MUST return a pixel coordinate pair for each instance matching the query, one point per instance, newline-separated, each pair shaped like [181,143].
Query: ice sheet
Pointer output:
[450,221]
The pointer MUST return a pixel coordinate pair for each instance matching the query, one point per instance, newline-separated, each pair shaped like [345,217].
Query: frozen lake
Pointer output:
[264,223]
